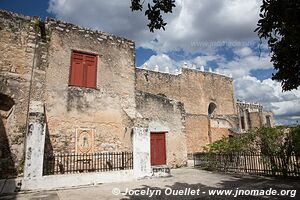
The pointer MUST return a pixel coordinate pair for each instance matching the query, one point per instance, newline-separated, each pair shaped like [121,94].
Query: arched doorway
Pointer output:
[7,162]
[210,114]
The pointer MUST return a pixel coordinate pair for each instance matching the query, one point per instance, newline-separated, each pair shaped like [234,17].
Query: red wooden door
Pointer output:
[158,148]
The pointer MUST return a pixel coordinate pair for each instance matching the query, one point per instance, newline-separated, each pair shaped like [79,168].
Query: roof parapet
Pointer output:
[178,71]
[244,103]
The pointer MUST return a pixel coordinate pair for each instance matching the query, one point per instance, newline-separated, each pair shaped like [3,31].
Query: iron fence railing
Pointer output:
[82,163]
[251,163]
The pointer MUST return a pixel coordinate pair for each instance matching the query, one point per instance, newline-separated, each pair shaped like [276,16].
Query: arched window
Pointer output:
[268,121]
[6,103]
[7,163]
[211,109]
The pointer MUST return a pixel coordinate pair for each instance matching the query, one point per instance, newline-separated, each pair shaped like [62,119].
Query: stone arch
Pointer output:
[7,162]
[268,121]
[211,109]
[6,103]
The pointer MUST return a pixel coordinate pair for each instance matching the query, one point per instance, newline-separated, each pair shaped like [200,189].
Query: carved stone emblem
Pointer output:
[85,141]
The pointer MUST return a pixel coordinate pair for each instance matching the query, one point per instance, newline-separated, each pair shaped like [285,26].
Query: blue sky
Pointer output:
[217,34]
[27,7]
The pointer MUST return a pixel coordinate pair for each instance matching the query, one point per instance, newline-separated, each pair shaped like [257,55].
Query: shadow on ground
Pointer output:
[237,184]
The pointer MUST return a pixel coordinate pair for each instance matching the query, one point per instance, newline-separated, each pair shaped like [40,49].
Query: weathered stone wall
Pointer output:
[255,119]
[17,44]
[253,116]
[271,117]
[196,132]
[223,127]
[108,111]
[219,133]
[159,113]
[196,90]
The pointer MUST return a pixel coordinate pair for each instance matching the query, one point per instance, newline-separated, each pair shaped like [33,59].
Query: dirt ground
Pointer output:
[185,183]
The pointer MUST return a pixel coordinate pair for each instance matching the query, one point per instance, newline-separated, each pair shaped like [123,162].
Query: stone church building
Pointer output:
[83,86]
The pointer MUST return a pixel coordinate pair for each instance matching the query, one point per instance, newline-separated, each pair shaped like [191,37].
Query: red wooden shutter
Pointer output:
[77,69]
[91,70]
[83,70]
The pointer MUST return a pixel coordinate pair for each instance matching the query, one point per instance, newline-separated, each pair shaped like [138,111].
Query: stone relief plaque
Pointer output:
[84,141]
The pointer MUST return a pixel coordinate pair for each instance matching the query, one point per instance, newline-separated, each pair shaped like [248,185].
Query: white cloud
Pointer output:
[242,66]
[191,21]
[162,61]
[203,60]
[244,51]
[208,21]
[287,108]
[284,105]
[243,62]
[109,16]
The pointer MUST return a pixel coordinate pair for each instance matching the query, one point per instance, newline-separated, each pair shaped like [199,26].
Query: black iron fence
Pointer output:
[257,164]
[81,163]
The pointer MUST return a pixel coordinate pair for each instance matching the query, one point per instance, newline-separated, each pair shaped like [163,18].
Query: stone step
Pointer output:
[161,171]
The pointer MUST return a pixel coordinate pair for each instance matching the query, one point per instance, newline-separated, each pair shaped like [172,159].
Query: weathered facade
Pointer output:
[161,115]
[17,44]
[104,112]
[89,97]
[252,115]
[210,114]
[35,66]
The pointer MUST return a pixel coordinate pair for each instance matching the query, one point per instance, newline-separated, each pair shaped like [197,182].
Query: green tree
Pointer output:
[268,141]
[154,12]
[273,143]
[280,27]
[295,140]
[236,144]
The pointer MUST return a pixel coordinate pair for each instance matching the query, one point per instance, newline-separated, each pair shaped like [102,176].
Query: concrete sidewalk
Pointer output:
[183,179]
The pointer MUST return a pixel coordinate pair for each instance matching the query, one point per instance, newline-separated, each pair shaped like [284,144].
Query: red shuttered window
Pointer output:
[83,72]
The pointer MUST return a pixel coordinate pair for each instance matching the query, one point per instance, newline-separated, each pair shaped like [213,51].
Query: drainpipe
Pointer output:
[37,20]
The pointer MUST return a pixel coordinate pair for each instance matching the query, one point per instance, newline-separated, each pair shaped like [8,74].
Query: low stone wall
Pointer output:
[64,181]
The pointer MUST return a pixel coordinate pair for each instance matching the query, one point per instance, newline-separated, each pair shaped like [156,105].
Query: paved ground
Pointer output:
[185,180]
